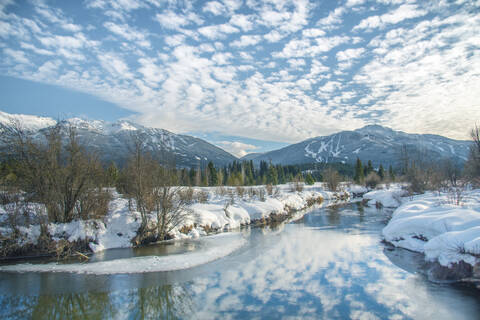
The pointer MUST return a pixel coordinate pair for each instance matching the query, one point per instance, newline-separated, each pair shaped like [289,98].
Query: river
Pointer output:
[329,264]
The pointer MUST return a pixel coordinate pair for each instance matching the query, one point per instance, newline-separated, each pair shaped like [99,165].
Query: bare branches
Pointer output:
[156,193]
[54,169]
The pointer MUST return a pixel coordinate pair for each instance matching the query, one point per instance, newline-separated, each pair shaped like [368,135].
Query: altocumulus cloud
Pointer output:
[271,70]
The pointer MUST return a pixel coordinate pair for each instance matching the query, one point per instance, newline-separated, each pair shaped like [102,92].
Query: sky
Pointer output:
[246,75]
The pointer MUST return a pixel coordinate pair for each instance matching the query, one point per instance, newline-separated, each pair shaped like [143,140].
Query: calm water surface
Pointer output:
[329,264]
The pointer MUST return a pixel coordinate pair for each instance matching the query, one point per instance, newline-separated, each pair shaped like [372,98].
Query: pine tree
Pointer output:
[309,179]
[369,167]
[359,174]
[212,174]
[281,174]
[391,173]
[272,176]
[112,174]
[381,172]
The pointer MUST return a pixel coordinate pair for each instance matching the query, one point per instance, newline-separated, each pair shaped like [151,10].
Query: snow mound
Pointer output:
[215,247]
[444,232]
[120,227]
[355,188]
[388,198]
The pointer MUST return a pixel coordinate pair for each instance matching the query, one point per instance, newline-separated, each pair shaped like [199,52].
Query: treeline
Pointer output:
[367,175]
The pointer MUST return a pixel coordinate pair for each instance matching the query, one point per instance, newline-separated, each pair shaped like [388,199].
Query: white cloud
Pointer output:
[296,63]
[236,148]
[350,54]
[76,42]
[307,48]
[334,18]
[313,33]
[114,65]
[175,40]
[217,31]
[128,33]
[171,20]
[36,50]
[404,12]
[153,73]
[353,3]
[222,58]
[242,21]
[330,86]
[17,55]
[214,7]
[248,40]
[274,36]
[48,70]
[56,16]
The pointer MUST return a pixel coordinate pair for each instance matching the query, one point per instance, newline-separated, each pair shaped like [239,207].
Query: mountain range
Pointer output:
[114,141]
[381,145]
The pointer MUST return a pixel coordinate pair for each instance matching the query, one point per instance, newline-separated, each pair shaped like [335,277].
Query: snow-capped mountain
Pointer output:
[114,141]
[28,122]
[373,142]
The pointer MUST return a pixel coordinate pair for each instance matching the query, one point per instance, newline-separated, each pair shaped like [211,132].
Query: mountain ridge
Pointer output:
[113,141]
[381,145]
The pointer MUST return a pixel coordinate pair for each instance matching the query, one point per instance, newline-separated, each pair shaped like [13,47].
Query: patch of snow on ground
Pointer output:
[215,247]
[390,198]
[120,227]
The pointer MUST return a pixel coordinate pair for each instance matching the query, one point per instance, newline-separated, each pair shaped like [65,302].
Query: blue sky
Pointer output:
[248,75]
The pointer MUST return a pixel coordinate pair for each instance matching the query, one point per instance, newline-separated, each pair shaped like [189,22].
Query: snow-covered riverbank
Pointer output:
[428,223]
[434,225]
[222,209]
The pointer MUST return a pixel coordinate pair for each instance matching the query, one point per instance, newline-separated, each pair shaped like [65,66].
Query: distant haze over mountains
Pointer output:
[114,142]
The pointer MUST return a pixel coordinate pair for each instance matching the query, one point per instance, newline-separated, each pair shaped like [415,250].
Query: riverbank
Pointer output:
[445,228]
[433,223]
[213,210]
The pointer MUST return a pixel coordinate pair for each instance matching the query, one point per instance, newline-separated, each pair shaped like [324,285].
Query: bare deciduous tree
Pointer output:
[332,178]
[472,167]
[57,171]
[155,191]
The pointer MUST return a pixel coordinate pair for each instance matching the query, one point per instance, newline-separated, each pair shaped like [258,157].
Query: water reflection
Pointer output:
[329,265]
[158,302]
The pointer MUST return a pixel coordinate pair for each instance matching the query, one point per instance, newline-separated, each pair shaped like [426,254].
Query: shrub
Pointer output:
[372,180]
[201,196]
[269,189]
[186,195]
[240,191]
[332,178]
[261,194]
[58,172]
[220,191]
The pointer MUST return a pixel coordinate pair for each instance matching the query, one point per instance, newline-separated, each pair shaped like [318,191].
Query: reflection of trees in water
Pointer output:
[361,211]
[162,302]
[333,215]
[90,305]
